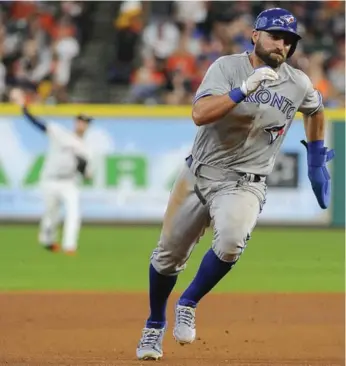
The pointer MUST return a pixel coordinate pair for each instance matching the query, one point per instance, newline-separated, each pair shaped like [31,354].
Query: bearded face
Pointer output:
[273,47]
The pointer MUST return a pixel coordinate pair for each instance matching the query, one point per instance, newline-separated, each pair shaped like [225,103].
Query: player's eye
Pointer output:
[277,36]
[288,41]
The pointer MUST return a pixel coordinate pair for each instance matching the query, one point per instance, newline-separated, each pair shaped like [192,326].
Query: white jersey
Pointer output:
[61,158]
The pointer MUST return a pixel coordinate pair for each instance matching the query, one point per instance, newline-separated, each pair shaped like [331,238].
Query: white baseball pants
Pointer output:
[58,194]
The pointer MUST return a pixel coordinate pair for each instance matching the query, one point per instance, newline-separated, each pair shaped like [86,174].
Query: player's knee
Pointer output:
[229,246]
[166,263]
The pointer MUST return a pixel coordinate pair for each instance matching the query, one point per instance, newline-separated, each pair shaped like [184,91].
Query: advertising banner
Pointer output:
[137,159]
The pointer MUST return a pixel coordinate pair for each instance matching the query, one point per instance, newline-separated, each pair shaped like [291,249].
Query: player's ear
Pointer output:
[255,36]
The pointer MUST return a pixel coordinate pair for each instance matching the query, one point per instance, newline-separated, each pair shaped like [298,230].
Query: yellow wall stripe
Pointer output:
[114,110]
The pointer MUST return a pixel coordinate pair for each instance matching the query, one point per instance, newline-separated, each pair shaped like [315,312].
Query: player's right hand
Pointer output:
[17,96]
[256,78]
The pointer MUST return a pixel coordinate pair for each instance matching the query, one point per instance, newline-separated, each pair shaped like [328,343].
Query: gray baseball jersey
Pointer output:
[249,137]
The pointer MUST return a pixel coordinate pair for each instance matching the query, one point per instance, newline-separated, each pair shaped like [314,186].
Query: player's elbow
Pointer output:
[197,116]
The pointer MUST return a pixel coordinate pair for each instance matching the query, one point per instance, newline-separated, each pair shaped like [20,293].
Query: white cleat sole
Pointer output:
[149,356]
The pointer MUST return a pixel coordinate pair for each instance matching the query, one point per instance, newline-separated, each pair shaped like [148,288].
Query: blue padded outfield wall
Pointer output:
[137,151]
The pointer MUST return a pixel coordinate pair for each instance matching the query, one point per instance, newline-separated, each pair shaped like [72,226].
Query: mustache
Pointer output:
[278,52]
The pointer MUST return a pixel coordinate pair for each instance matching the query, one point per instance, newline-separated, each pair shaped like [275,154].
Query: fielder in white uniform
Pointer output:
[67,163]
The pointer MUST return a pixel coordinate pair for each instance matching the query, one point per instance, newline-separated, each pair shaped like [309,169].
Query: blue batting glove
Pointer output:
[318,156]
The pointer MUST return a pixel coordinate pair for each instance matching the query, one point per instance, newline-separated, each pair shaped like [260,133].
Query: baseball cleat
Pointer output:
[52,247]
[184,330]
[150,344]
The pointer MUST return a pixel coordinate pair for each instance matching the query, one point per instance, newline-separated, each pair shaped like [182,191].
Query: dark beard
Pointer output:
[265,57]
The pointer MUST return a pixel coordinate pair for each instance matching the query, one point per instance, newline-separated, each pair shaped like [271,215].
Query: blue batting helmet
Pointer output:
[278,19]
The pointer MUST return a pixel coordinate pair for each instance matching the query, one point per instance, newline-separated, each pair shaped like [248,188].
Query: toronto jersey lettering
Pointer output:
[265,96]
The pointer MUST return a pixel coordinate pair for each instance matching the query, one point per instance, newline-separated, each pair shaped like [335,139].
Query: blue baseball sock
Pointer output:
[210,272]
[160,288]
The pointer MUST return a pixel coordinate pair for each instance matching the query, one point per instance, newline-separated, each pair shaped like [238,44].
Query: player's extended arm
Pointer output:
[35,121]
[213,107]
[318,155]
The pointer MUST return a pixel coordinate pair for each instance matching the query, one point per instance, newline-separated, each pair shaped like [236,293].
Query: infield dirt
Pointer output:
[232,329]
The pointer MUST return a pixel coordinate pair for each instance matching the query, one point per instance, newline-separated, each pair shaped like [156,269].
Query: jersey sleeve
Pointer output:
[215,81]
[79,148]
[55,132]
[312,101]
[34,120]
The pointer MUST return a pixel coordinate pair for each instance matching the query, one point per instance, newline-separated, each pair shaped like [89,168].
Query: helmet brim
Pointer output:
[280,29]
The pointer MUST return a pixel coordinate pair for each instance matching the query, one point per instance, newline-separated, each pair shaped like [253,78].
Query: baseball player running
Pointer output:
[243,109]
[67,161]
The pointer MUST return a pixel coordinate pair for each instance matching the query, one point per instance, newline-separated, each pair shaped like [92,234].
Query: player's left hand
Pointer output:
[318,156]
[81,165]
[17,96]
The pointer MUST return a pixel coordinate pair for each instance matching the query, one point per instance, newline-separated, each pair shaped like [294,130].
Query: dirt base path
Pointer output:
[103,329]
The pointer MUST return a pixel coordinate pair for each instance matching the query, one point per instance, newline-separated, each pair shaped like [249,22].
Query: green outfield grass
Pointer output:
[116,258]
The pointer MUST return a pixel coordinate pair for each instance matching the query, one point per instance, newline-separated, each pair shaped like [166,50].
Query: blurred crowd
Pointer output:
[162,48]
[38,41]
[165,48]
